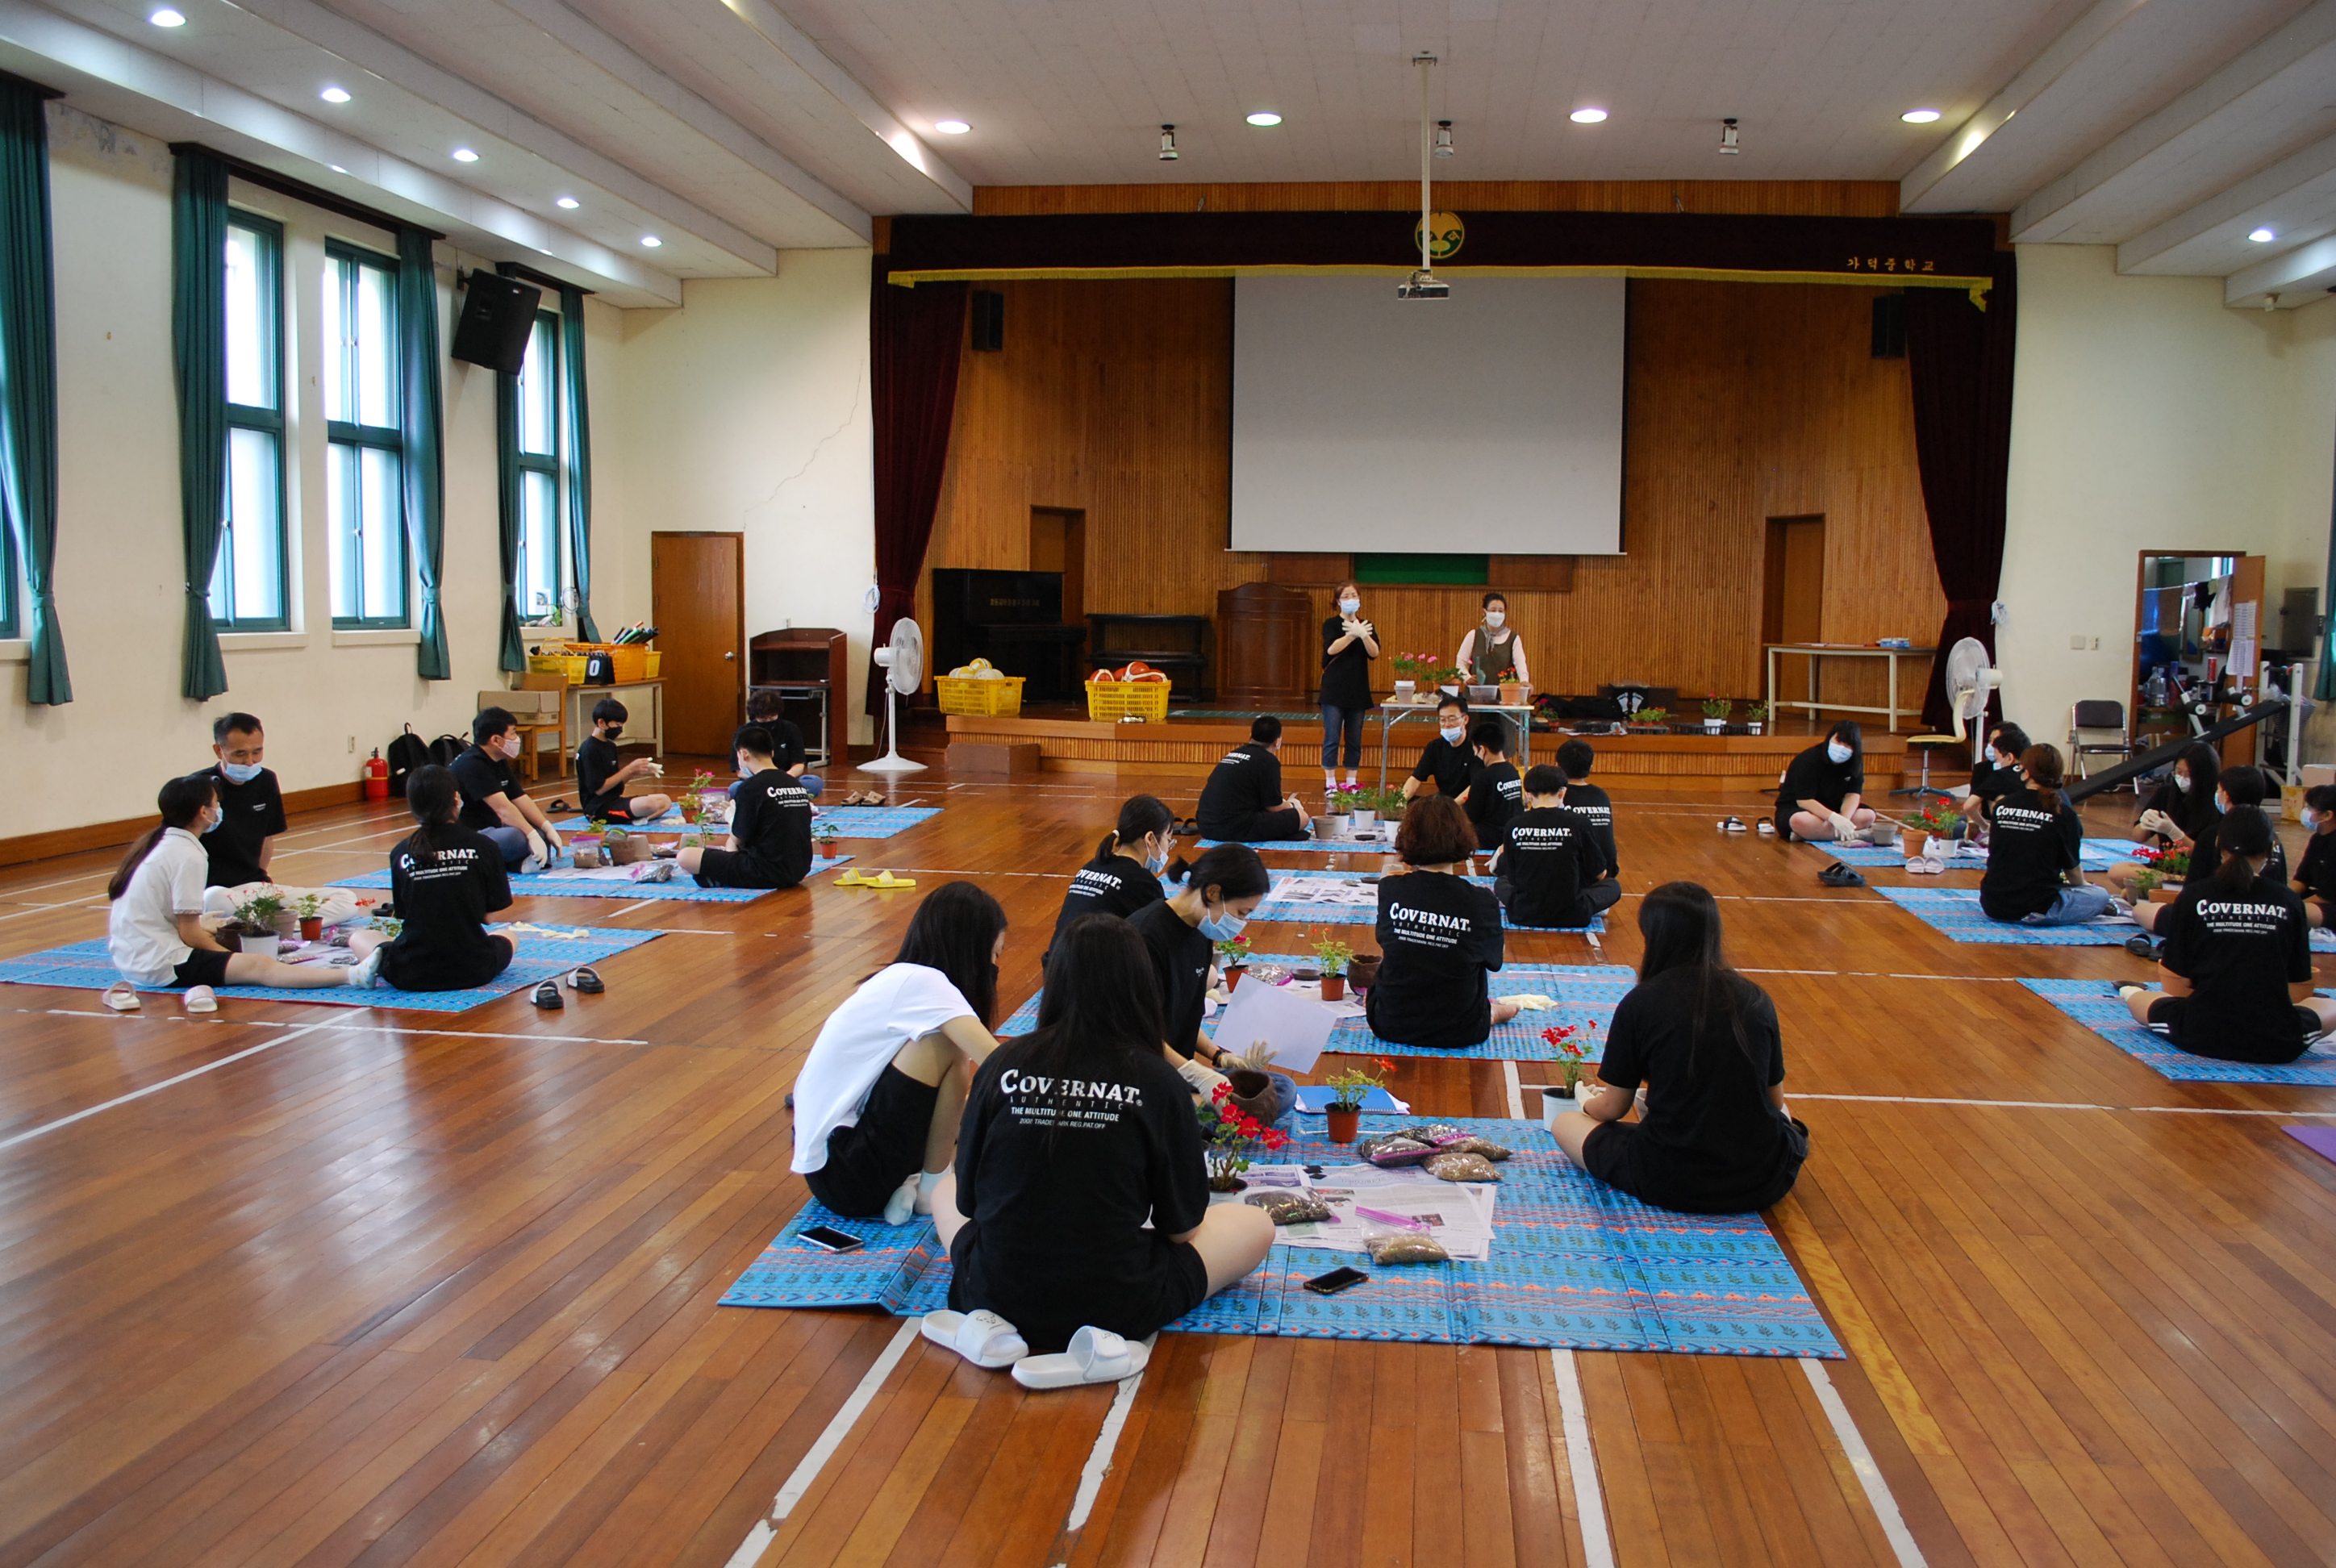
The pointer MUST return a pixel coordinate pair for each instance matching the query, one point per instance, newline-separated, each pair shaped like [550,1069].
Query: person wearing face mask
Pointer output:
[154,933]
[2180,809]
[1821,796]
[1348,645]
[1125,874]
[1439,939]
[1491,652]
[1448,762]
[1221,890]
[2315,873]
[1242,802]
[2033,863]
[494,806]
[1995,775]
[2240,784]
[602,772]
[769,841]
[251,808]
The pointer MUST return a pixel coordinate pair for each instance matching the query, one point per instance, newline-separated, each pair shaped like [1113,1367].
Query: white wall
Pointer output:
[2147,416]
[747,410]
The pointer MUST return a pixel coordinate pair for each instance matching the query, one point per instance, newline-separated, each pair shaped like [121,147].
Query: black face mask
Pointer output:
[612,731]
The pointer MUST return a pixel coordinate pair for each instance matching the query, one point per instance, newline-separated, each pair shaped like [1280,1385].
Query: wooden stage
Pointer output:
[300,1285]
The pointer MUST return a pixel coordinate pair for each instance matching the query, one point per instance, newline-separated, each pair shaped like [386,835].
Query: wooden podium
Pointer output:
[1269,646]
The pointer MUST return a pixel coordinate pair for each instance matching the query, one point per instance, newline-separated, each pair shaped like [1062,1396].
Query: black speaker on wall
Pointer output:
[989,320]
[498,314]
[1888,327]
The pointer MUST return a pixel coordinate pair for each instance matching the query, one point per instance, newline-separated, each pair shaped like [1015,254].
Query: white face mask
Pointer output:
[1835,750]
[1493,617]
[2311,817]
[1452,736]
[2182,782]
[1349,606]
[512,746]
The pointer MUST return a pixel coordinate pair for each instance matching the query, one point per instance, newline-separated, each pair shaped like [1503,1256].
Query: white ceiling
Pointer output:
[736,129]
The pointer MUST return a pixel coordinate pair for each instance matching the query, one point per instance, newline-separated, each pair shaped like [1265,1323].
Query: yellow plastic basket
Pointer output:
[977,698]
[633,661]
[1119,699]
[570,665]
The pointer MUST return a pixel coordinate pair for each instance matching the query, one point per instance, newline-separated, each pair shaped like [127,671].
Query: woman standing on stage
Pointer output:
[1348,645]
[1492,652]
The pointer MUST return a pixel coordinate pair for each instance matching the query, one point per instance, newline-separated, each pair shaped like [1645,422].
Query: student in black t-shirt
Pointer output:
[1243,802]
[1439,939]
[1576,758]
[765,707]
[2237,964]
[1498,794]
[2178,812]
[1125,874]
[1348,645]
[251,808]
[1221,890]
[494,806]
[1446,762]
[2315,873]
[1822,796]
[446,881]
[1995,775]
[1714,1138]
[1552,869]
[2240,784]
[602,773]
[2034,876]
[1078,1197]
[769,844]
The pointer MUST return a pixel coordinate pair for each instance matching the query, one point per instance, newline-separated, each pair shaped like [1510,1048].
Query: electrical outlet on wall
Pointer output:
[2077,641]
[353,744]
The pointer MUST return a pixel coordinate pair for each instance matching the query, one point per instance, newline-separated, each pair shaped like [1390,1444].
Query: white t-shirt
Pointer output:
[141,931]
[896,1004]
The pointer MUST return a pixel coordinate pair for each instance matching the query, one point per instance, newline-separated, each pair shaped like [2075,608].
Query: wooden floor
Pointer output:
[298,1285]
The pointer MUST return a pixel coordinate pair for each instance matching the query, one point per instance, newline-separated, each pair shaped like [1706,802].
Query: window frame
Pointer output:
[269,421]
[553,465]
[346,442]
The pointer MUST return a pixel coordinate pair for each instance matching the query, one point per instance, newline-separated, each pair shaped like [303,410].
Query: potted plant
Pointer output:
[1715,714]
[1941,823]
[1657,720]
[823,832]
[1755,717]
[1408,669]
[312,916]
[2144,885]
[1360,804]
[1572,1048]
[255,923]
[692,800]
[1337,818]
[1229,1135]
[1333,956]
[1232,957]
[1348,1089]
[2173,866]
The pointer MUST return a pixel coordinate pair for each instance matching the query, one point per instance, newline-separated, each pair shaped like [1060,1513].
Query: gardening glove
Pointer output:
[1203,1080]
[536,848]
[1844,829]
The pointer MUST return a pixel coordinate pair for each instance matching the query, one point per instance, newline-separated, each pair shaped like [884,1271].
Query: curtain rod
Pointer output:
[301,190]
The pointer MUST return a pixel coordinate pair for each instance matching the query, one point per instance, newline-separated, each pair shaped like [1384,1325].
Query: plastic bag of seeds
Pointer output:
[1451,1167]
[1290,1208]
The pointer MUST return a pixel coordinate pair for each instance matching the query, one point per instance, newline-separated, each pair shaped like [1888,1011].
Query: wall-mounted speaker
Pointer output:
[1888,327]
[498,314]
[989,320]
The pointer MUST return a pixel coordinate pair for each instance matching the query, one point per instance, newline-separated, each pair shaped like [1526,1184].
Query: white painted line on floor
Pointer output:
[1516,1090]
[1582,1462]
[2067,1106]
[28,1135]
[1098,1464]
[814,1461]
[1869,1474]
[629,909]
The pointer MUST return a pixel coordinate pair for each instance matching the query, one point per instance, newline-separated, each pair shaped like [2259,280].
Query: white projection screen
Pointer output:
[1488,422]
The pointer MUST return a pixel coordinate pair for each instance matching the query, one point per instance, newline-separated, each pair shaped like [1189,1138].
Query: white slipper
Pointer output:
[1917,866]
[200,999]
[982,1337]
[1096,1356]
[1767,828]
[1934,865]
[1734,825]
[121,996]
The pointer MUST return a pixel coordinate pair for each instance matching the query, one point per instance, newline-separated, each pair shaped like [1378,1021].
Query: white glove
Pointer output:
[1844,829]
[535,847]
[1204,1080]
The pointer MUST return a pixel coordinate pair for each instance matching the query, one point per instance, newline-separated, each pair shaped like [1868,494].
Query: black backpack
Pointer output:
[446,748]
[406,751]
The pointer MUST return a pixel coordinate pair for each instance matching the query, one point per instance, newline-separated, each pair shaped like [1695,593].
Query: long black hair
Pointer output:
[1138,817]
[956,931]
[1233,869]
[2244,837]
[1102,997]
[430,796]
[181,802]
[1847,732]
[1679,922]
[2195,809]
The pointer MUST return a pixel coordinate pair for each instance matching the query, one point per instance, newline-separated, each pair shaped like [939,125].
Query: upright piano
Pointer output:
[1015,620]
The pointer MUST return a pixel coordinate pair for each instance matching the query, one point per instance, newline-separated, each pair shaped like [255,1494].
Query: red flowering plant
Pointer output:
[1229,1136]
[1939,817]
[1572,1048]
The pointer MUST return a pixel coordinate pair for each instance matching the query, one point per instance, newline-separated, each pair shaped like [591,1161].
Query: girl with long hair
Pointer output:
[445,880]
[1440,937]
[1221,890]
[1125,874]
[2180,814]
[878,1099]
[1822,795]
[1349,643]
[1714,1138]
[2034,875]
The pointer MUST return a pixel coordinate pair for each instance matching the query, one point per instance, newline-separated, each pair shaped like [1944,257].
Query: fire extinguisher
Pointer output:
[376,777]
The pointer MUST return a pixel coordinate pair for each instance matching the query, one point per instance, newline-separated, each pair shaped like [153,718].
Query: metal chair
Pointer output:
[2099,715]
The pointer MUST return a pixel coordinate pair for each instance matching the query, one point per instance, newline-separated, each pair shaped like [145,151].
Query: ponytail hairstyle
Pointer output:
[1139,816]
[181,802]
[955,931]
[2245,836]
[2045,774]
[430,796]
[1680,924]
[1233,869]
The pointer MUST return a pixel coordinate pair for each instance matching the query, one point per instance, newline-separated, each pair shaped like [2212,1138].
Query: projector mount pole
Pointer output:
[1426,62]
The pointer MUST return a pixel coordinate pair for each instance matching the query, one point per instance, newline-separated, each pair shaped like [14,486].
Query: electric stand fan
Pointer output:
[903,660]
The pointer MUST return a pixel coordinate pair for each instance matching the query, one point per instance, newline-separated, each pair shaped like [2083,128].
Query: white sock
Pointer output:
[926,1181]
[901,1205]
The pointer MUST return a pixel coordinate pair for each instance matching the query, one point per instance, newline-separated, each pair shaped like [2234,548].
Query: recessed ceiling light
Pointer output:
[1588,116]
[570,202]
[464,155]
[951,127]
[166,17]
[2262,235]
[336,168]
[651,240]
[334,95]
[1265,117]
[1919,116]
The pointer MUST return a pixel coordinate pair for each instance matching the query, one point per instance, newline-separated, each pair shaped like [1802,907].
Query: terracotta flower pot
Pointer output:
[1233,975]
[2164,895]
[1226,1184]
[1248,1083]
[312,927]
[1334,988]
[1346,1120]
[1363,971]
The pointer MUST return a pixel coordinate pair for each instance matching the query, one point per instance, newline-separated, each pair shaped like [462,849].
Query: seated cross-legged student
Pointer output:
[494,806]
[2237,963]
[2033,872]
[1586,800]
[2240,784]
[1714,1138]
[1439,939]
[1822,796]
[602,772]
[764,709]
[445,880]
[154,933]
[1243,801]
[1498,794]
[1078,1207]
[1551,870]
[1448,762]
[1125,874]
[1995,775]
[878,1101]
[769,844]
[251,808]
[2180,814]
[2315,873]
[1221,890]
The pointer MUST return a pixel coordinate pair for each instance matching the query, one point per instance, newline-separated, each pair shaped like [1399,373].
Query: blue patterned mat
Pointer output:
[1312,846]
[1278,906]
[2096,855]
[1575,1263]
[2095,1005]
[85,966]
[1954,912]
[851,821]
[681,889]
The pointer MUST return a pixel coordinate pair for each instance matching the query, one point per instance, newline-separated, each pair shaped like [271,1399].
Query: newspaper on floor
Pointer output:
[1458,1214]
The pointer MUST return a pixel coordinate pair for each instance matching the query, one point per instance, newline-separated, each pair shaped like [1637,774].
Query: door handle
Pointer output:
[730,656]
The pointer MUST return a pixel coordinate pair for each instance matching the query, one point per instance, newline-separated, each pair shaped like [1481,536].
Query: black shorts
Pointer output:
[1135,1306]
[203,967]
[868,1161]
[1594,900]
[1609,1151]
[2168,1014]
[1257,828]
[467,973]
[736,869]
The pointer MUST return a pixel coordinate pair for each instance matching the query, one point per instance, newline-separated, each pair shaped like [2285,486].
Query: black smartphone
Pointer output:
[827,1239]
[1329,1284]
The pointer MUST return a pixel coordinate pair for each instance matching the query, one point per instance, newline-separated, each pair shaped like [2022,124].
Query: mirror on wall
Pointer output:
[2198,628]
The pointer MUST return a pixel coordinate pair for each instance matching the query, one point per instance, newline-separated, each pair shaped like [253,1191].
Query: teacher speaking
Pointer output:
[1491,652]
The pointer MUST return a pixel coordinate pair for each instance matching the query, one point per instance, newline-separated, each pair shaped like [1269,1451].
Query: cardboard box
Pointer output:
[1000,757]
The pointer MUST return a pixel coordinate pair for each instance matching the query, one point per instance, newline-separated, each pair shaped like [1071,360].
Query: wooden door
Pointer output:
[1792,597]
[698,598]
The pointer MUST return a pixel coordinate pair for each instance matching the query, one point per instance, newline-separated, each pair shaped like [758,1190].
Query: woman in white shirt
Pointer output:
[154,933]
[878,1099]
[1492,652]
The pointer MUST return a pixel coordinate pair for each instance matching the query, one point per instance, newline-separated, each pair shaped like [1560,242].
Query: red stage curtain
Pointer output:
[914,339]
[1960,359]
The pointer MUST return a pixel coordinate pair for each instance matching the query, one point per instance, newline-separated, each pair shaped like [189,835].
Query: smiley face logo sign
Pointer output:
[1445,236]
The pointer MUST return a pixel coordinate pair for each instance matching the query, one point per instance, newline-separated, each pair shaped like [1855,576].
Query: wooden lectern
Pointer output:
[1269,646]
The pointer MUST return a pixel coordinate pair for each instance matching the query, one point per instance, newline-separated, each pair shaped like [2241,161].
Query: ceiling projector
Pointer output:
[1423,285]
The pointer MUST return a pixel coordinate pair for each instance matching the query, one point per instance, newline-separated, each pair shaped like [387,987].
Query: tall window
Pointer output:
[249,584]
[539,581]
[364,494]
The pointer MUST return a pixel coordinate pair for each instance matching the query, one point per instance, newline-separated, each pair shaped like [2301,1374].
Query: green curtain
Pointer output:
[420,421]
[198,339]
[577,412]
[513,656]
[28,374]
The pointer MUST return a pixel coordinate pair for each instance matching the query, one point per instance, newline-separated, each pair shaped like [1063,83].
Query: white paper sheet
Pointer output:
[1296,1026]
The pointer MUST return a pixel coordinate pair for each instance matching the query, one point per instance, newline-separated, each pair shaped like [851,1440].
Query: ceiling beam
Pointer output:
[2295,197]
[2301,276]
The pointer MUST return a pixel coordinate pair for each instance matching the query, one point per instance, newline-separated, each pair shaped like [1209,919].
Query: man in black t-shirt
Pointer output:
[251,808]
[602,772]
[1498,794]
[1243,801]
[1446,762]
[494,806]
[1995,774]
[1586,800]
[1552,872]
[769,844]
[765,707]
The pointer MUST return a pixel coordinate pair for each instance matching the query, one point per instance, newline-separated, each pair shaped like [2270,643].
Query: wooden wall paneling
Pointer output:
[1793,197]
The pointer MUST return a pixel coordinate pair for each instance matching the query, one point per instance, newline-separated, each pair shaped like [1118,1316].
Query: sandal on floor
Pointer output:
[122,997]
[982,1337]
[200,999]
[853,879]
[585,979]
[1918,866]
[887,880]
[1838,875]
[2144,946]
[1734,825]
[1096,1356]
[1767,828]
[547,996]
